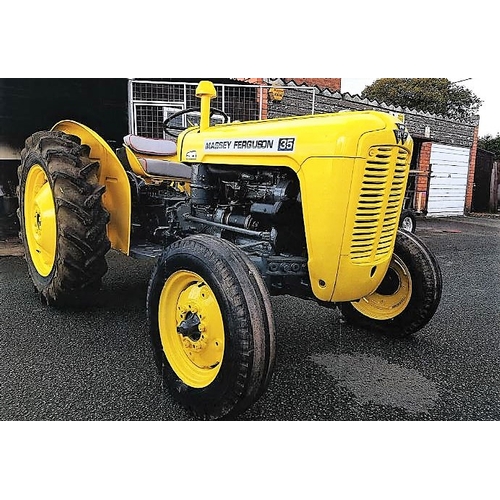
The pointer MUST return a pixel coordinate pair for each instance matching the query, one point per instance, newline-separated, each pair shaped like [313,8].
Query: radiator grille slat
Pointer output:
[377,212]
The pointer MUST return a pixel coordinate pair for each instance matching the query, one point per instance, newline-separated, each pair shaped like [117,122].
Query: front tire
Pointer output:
[408,296]
[62,220]
[211,327]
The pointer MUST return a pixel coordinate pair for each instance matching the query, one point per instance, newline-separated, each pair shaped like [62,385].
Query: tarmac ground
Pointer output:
[97,364]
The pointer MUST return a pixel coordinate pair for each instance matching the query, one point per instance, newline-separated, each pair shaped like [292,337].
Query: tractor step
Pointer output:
[146,251]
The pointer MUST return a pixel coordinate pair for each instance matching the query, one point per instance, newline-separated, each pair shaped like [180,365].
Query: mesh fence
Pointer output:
[152,102]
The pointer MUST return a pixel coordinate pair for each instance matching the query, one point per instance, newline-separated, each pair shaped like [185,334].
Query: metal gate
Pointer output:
[448,180]
[152,101]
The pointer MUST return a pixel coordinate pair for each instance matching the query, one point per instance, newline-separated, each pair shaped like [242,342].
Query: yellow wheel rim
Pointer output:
[40,220]
[392,296]
[191,329]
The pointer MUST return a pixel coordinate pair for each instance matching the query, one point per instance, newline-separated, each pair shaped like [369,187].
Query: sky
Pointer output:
[485,88]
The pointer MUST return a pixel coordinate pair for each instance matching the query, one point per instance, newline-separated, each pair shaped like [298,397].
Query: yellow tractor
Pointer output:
[233,213]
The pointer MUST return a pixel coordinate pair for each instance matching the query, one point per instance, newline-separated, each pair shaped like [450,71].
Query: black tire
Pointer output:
[238,375]
[68,260]
[414,269]
[408,221]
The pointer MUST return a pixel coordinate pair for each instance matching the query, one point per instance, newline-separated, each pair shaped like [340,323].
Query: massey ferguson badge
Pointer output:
[274,144]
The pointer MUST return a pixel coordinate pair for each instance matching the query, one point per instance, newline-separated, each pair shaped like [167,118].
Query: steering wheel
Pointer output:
[175,130]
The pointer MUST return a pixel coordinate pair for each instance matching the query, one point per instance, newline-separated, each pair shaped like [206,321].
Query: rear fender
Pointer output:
[117,198]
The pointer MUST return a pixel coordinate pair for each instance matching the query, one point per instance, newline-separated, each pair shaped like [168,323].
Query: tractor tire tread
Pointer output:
[426,292]
[251,320]
[81,219]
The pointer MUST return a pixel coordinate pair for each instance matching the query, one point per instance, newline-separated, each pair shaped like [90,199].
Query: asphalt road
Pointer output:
[97,364]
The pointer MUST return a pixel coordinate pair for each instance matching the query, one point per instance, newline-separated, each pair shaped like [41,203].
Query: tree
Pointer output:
[435,95]
[490,143]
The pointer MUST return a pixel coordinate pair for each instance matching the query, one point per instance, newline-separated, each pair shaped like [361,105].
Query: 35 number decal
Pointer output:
[286,144]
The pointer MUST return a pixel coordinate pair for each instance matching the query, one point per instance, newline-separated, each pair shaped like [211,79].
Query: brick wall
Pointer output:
[333,84]
[422,180]
[256,81]
[421,125]
[472,170]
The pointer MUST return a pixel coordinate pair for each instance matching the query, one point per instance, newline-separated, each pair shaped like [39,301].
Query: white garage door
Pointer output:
[448,183]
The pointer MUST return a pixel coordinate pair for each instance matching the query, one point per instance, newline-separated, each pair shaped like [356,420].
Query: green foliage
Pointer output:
[434,95]
[490,143]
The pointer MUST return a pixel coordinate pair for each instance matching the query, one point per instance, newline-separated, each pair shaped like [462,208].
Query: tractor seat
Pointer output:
[165,168]
[157,166]
[152,147]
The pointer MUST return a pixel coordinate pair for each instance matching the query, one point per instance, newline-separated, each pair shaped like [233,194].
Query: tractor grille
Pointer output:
[377,212]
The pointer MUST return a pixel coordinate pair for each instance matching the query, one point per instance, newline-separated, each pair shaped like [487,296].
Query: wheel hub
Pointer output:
[390,284]
[190,327]
[38,222]
[392,296]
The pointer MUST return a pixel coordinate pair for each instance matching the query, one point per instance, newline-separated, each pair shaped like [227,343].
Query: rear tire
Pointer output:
[211,327]
[408,221]
[62,220]
[407,298]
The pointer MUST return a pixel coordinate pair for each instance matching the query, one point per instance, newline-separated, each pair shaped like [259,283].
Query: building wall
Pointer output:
[333,84]
[27,105]
[31,104]
[472,170]
[424,169]
[422,182]
[485,183]
[422,126]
